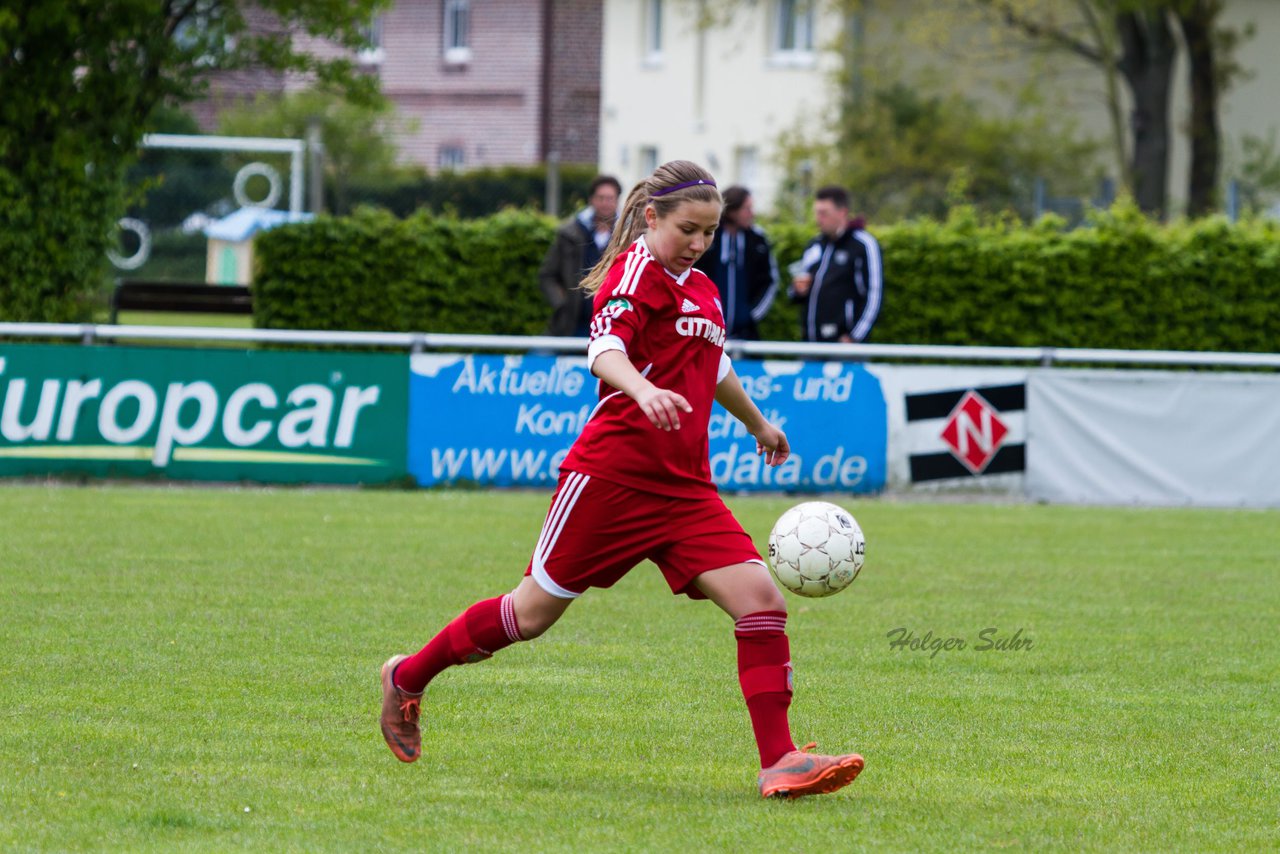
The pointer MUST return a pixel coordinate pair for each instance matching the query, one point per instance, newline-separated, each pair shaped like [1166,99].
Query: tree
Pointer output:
[1136,41]
[357,148]
[910,153]
[80,80]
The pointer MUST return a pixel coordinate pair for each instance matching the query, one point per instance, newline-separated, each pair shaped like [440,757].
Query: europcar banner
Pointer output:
[510,420]
[267,416]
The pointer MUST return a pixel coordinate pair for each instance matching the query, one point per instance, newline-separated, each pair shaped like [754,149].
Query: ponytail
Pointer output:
[670,184]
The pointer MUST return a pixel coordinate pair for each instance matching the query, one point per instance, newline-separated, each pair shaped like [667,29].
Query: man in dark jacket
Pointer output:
[838,281]
[579,243]
[740,262]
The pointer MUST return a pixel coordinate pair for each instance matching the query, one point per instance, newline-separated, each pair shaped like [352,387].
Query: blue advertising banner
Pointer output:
[510,420]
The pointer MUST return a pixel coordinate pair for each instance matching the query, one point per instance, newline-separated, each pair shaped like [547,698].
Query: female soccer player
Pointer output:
[637,484]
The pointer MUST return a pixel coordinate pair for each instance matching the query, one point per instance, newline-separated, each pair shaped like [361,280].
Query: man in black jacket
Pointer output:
[580,241]
[740,262]
[838,281]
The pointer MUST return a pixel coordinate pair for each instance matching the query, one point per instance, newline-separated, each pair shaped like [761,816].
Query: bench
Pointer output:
[133,295]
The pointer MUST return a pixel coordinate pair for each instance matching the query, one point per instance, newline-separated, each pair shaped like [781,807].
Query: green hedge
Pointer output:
[473,193]
[372,271]
[1121,281]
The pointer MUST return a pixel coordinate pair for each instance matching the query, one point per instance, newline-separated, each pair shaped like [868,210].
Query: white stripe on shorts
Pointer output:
[551,528]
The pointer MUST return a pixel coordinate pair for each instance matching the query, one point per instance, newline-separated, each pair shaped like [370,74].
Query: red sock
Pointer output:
[764,671]
[474,635]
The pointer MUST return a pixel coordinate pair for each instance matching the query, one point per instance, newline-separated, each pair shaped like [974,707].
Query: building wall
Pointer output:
[573,128]
[719,96]
[490,107]
[710,96]
[232,88]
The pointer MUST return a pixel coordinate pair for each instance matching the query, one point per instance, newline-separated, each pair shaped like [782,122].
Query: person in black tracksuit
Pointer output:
[839,279]
[740,262]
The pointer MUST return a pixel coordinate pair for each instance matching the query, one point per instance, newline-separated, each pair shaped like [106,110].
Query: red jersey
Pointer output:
[672,330]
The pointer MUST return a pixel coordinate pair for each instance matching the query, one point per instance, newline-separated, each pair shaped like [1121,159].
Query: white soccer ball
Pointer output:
[816,549]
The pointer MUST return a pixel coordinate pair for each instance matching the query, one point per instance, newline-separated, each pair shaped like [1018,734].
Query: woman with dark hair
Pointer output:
[637,484]
[740,261]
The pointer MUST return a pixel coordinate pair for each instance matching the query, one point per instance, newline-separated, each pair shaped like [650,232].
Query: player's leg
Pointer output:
[474,635]
[747,593]
[477,633]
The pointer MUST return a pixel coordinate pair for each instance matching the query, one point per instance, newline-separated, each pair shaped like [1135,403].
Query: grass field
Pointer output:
[190,669]
[175,318]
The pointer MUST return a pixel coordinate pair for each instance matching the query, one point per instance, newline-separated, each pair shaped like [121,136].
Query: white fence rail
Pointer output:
[418,342]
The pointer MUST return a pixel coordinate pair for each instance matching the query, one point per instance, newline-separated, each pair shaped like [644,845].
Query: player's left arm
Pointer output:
[770,440]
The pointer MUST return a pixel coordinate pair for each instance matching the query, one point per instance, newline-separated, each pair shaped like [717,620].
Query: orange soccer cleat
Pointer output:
[400,711]
[799,773]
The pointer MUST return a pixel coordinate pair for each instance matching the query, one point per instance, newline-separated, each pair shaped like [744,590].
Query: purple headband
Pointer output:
[672,189]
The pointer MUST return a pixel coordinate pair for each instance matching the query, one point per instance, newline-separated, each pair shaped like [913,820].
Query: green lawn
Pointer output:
[175,318]
[189,669]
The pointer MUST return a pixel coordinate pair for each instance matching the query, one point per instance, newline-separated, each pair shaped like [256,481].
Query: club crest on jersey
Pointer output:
[700,327]
[687,307]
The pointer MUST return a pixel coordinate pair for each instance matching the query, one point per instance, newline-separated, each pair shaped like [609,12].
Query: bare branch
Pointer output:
[1046,32]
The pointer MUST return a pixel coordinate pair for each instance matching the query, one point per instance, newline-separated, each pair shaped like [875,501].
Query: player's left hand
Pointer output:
[772,442]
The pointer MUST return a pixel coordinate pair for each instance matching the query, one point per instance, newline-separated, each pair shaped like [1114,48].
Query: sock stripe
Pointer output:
[761,624]
[507,612]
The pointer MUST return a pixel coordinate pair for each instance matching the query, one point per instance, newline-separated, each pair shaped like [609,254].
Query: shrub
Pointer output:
[1120,282]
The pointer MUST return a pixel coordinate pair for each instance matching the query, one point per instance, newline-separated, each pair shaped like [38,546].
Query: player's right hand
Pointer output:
[662,407]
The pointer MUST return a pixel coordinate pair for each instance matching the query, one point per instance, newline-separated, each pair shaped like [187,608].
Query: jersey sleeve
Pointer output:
[621,308]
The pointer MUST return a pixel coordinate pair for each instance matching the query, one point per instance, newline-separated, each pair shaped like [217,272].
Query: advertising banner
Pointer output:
[226,415]
[510,420]
[1154,438]
[955,428]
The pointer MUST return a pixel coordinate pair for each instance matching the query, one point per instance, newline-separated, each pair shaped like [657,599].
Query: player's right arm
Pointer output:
[661,406]
[621,313]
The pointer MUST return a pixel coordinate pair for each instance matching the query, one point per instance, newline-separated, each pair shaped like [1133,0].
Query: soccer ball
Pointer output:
[816,549]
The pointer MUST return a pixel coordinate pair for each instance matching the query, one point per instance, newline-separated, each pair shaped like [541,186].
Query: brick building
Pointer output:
[483,82]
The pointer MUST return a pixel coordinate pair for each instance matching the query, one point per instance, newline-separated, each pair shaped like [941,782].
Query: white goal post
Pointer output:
[295,148]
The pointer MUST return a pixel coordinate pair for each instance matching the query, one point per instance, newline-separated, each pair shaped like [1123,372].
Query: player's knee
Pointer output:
[535,618]
[761,595]
[535,624]
[770,599]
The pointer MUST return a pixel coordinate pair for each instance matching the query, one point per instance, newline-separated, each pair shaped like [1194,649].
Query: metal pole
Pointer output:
[552,205]
[295,182]
[315,156]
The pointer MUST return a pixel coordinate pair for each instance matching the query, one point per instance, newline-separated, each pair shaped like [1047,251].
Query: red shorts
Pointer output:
[596,531]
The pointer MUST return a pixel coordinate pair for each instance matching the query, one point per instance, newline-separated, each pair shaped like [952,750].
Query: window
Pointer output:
[457,31]
[452,157]
[793,31]
[372,53]
[653,31]
[648,160]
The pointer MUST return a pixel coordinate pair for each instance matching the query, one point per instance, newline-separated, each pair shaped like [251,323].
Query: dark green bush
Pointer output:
[474,193]
[372,271]
[53,237]
[1120,282]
